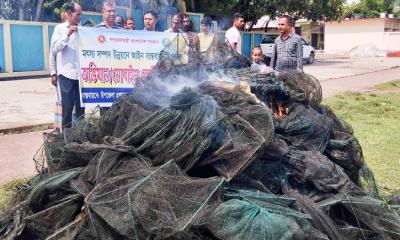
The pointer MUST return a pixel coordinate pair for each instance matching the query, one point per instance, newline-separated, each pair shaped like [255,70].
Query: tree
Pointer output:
[220,10]
[92,5]
[324,10]
[255,9]
[19,9]
[311,9]
[6,9]
[369,8]
[210,7]
[52,9]
[39,10]
[388,6]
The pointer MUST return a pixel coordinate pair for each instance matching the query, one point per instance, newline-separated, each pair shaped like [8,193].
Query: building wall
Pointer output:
[392,25]
[343,36]
[306,31]
[391,40]
[2,53]
[24,48]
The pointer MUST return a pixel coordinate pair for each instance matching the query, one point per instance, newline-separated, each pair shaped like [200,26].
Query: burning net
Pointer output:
[205,148]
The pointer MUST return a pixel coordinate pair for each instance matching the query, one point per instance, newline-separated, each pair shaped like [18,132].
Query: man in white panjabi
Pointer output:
[233,36]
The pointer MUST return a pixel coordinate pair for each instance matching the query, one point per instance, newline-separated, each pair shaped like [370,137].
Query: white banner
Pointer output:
[111,60]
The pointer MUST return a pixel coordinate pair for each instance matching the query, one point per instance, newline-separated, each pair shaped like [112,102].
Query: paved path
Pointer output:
[339,67]
[26,102]
[16,155]
[359,83]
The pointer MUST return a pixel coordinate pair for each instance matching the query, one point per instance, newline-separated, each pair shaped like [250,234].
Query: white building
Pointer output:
[383,33]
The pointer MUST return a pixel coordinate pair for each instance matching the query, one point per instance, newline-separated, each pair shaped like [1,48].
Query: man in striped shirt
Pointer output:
[108,11]
[288,48]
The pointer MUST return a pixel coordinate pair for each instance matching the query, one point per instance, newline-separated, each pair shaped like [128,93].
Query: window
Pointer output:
[267,40]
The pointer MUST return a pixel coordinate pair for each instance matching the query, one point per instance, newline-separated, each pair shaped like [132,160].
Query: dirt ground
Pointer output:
[31,102]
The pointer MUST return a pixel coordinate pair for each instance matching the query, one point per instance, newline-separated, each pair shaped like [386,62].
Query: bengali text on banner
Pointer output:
[111,61]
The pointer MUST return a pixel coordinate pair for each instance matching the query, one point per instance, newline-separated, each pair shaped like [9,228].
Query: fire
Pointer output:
[277,108]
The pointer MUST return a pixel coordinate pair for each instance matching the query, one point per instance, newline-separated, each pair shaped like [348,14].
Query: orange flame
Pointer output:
[277,109]
[281,112]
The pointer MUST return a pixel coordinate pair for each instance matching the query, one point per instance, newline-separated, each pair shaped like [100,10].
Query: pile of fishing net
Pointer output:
[201,151]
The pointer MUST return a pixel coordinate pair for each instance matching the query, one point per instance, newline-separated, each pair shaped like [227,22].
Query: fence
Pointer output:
[249,40]
[24,46]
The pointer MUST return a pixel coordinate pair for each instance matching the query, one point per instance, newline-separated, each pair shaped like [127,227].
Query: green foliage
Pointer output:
[369,8]
[255,9]
[8,192]
[324,10]
[54,7]
[375,118]
[6,9]
[389,86]
[91,5]
[18,9]
[218,8]
[10,9]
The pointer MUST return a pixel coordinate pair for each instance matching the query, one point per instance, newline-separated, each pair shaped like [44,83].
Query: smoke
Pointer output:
[224,23]
[184,67]
[175,84]
[157,90]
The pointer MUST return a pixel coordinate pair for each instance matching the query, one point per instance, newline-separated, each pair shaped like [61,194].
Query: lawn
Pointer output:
[375,118]
[8,190]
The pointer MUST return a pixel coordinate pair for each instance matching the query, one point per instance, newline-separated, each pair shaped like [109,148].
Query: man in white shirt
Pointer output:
[52,57]
[233,36]
[64,46]
[53,74]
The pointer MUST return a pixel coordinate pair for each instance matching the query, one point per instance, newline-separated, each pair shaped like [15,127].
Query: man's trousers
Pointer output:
[69,98]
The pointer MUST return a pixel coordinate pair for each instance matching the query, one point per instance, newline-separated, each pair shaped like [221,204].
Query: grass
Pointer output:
[7,192]
[375,118]
[395,85]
